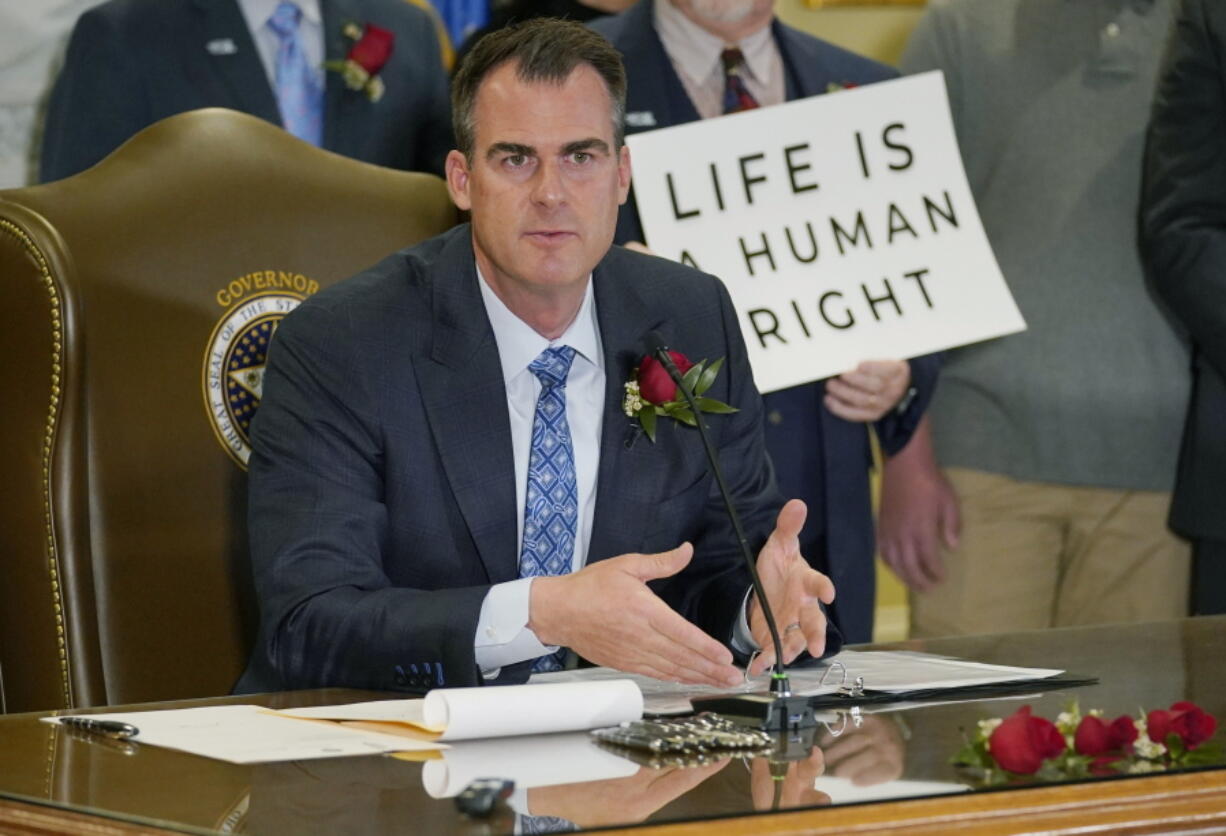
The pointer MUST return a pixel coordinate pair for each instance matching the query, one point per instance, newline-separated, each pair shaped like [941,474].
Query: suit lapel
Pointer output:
[238,65]
[465,400]
[631,478]
[804,70]
[653,86]
[339,100]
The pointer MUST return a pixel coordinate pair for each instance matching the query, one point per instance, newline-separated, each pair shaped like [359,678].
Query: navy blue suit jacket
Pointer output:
[382,495]
[131,63]
[819,457]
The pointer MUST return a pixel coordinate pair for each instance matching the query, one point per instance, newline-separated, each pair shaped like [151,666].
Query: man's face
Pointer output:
[734,19]
[544,183]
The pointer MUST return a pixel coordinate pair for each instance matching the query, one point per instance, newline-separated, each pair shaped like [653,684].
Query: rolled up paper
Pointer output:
[473,713]
[469,713]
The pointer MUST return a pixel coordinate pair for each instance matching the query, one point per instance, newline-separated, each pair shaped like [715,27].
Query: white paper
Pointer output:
[896,672]
[541,761]
[502,711]
[251,734]
[857,195]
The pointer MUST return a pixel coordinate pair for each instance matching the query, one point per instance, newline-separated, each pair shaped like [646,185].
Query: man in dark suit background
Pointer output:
[131,63]
[676,54]
[1183,216]
[444,486]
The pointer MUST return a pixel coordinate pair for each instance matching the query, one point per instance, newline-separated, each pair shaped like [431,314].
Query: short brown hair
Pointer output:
[546,50]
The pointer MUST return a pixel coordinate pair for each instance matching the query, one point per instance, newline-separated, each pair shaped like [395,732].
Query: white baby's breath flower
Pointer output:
[1141,767]
[1147,748]
[633,402]
[986,727]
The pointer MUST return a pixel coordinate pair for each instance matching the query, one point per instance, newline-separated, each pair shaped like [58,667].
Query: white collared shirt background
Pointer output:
[503,637]
[695,55]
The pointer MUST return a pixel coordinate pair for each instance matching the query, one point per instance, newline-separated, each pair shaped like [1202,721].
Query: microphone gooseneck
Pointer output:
[780,685]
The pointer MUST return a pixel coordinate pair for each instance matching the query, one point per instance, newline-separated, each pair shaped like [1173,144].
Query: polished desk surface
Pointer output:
[50,780]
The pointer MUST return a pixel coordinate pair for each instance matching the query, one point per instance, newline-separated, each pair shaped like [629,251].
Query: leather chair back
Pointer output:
[138,300]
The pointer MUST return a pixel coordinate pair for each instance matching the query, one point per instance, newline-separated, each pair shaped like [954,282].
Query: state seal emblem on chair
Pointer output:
[232,375]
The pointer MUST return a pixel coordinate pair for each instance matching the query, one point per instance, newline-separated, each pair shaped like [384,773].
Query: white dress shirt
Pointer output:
[257,13]
[503,637]
[695,55]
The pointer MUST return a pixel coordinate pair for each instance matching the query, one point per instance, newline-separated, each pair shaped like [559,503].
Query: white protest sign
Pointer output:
[843,226]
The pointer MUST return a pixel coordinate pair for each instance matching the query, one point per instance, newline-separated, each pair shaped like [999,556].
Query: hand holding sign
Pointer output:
[869,391]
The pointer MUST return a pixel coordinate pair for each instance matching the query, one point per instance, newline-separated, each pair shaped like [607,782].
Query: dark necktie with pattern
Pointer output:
[736,95]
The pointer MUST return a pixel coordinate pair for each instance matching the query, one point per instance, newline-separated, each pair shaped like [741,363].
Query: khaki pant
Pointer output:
[1036,555]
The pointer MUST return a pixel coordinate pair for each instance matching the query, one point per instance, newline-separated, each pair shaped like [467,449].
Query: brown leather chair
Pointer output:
[138,298]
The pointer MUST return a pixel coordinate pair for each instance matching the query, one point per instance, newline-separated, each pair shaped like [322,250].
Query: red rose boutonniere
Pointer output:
[651,393]
[1077,746]
[834,86]
[372,46]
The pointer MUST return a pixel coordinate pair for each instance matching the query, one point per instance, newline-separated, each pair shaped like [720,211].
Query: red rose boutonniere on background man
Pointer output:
[651,393]
[372,46]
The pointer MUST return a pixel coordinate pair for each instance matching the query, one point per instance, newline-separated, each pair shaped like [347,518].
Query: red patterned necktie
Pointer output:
[736,95]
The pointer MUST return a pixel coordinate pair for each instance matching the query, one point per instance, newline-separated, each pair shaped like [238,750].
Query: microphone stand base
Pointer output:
[762,711]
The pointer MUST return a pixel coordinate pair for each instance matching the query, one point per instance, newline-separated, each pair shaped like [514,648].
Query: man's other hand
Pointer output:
[869,391]
[606,613]
[919,512]
[794,589]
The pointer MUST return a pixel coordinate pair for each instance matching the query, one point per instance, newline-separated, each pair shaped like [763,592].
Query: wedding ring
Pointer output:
[795,625]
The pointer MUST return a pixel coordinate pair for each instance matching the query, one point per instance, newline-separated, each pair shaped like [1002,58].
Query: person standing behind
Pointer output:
[1183,218]
[697,59]
[131,63]
[1059,442]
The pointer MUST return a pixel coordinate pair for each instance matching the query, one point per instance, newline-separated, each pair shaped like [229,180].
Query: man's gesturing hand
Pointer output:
[793,589]
[606,614]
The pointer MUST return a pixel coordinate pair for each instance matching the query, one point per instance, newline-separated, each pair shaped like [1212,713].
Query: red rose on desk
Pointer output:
[655,385]
[1184,719]
[1077,745]
[1095,736]
[1022,742]
[372,49]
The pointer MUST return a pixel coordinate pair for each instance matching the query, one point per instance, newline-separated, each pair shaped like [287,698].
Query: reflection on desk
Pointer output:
[565,778]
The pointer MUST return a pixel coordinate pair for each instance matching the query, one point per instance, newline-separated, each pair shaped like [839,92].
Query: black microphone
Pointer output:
[780,709]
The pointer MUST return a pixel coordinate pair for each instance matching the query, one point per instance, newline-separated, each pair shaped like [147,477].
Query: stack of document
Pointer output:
[565,701]
[251,734]
[882,675]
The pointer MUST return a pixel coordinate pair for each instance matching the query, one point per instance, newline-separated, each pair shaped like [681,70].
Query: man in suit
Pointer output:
[1183,217]
[445,489]
[679,70]
[131,63]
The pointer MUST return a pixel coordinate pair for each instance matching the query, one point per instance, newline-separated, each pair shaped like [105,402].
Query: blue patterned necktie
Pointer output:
[545,824]
[298,93]
[551,509]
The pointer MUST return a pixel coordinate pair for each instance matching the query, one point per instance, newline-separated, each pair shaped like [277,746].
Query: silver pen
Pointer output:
[108,728]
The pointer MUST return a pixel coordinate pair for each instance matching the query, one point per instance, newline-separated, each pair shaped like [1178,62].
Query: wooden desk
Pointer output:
[53,783]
